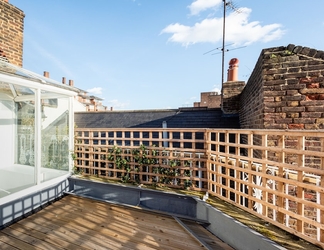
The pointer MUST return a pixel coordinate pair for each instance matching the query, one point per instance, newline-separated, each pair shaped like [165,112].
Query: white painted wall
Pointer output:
[78,106]
[7,127]
[52,113]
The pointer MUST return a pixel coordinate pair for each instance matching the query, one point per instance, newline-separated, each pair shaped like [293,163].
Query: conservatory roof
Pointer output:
[13,70]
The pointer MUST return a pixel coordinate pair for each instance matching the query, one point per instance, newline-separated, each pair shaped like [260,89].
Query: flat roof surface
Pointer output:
[81,223]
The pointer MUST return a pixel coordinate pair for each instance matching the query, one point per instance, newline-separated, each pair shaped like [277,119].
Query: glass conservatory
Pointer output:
[36,130]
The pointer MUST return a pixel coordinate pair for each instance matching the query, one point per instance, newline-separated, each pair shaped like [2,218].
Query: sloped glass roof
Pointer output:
[11,69]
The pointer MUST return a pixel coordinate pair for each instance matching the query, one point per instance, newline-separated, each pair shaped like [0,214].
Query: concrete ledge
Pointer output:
[175,204]
[233,232]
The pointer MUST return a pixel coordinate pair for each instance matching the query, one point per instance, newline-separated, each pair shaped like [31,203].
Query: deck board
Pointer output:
[82,223]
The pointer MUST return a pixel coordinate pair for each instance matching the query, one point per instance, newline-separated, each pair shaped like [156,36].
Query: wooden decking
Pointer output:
[80,223]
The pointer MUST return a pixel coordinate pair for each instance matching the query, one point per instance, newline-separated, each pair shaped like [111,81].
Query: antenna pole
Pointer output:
[223,46]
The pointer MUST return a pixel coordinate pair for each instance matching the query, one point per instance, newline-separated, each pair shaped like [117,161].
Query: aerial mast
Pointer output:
[223,44]
[226,4]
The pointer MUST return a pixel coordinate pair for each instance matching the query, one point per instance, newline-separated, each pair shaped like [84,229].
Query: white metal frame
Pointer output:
[39,85]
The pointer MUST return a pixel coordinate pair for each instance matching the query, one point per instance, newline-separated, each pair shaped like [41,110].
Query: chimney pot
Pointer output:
[232,71]
[71,83]
[63,80]
[46,74]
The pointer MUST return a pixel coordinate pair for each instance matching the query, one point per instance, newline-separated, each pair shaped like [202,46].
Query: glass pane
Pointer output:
[25,133]
[17,125]
[55,136]
[5,91]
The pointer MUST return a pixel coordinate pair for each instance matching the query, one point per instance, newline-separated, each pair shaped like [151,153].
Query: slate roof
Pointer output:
[175,118]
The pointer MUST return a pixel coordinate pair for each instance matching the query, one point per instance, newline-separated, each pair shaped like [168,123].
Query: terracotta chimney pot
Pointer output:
[232,73]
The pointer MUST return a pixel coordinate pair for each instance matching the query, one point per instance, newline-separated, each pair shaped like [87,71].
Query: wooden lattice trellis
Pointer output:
[276,175]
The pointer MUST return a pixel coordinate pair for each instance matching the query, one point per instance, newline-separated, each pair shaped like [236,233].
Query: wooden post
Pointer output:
[264,171]
[300,190]
[321,236]
[250,176]
[281,188]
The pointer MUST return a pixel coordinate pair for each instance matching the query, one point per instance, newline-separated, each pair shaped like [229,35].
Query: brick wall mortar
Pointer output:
[12,28]
[286,80]
[251,99]
[231,96]
[209,100]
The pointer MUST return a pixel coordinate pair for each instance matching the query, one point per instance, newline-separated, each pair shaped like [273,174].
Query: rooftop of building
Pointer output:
[174,118]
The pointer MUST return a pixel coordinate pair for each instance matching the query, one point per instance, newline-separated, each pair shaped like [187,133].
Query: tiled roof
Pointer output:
[175,118]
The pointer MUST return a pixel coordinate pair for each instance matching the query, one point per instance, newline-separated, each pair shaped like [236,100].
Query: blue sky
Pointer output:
[149,54]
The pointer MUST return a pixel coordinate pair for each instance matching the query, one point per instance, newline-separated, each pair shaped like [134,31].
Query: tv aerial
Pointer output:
[230,6]
[221,49]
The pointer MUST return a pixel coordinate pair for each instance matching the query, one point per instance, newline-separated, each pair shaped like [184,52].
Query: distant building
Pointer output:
[83,101]
[209,100]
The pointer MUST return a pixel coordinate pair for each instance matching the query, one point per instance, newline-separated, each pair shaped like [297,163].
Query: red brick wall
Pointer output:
[209,100]
[11,33]
[251,101]
[285,90]
[231,96]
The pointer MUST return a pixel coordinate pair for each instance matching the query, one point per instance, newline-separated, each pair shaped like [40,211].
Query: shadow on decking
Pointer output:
[82,223]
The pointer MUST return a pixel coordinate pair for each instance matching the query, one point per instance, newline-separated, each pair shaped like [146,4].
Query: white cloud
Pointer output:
[116,104]
[238,30]
[202,5]
[216,89]
[95,91]
[200,32]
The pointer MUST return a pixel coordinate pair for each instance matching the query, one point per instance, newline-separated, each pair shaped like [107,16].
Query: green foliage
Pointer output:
[73,155]
[288,52]
[168,173]
[77,171]
[187,184]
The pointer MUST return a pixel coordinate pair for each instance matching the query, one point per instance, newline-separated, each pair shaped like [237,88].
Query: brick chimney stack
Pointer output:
[46,74]
[71,83]
[232,89]
[63,80]
[12,33]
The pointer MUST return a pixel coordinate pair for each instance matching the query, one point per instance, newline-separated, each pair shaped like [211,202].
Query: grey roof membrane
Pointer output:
[175,118]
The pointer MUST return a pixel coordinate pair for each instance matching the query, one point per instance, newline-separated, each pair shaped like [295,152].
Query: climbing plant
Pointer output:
[143,159]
